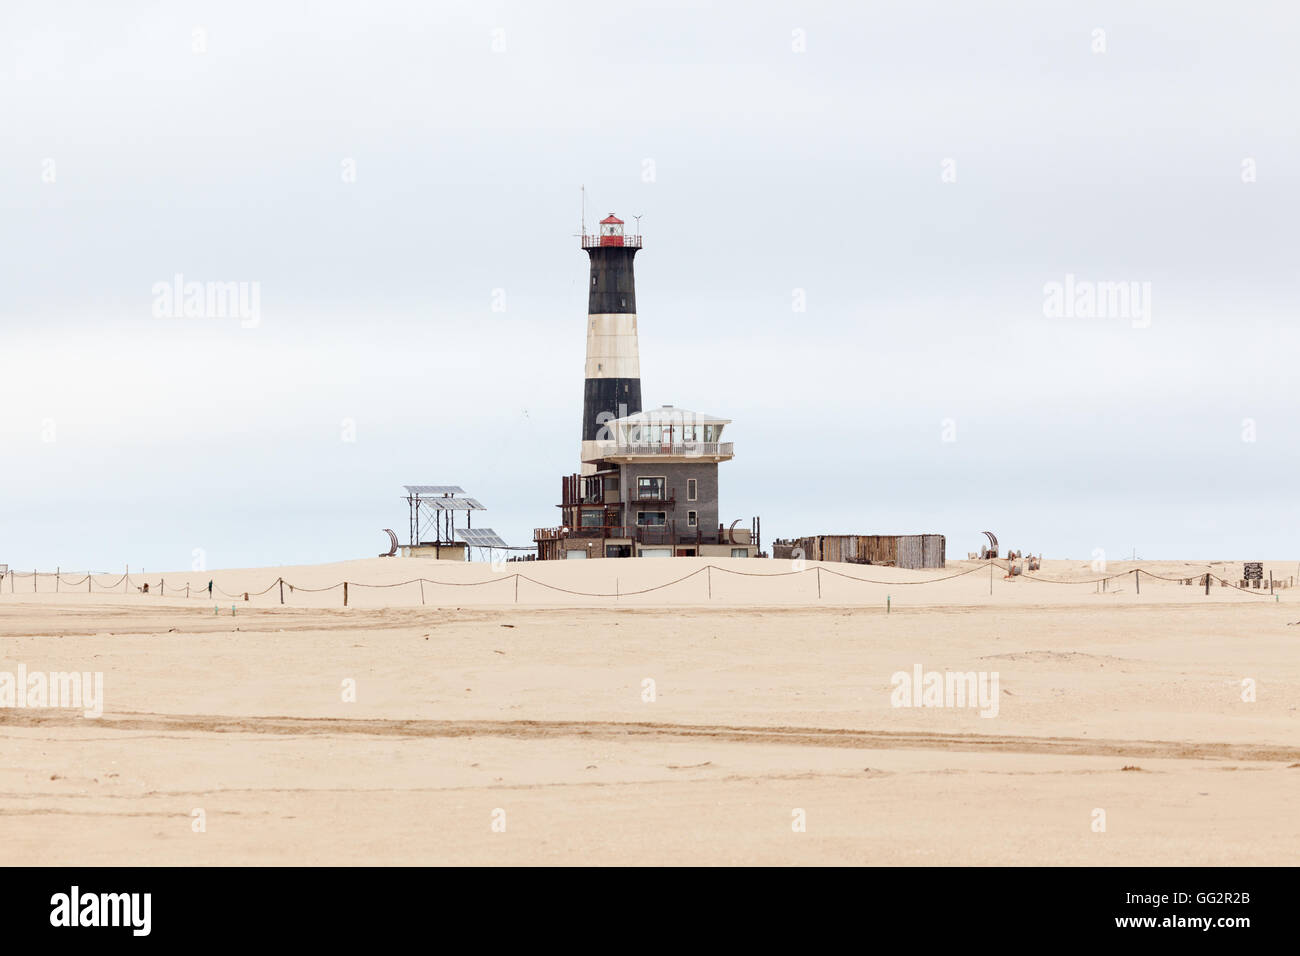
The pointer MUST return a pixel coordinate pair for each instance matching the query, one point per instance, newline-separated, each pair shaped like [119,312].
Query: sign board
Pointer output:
[1254,571]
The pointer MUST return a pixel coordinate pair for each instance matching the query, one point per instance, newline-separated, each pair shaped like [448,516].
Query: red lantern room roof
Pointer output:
[611,218]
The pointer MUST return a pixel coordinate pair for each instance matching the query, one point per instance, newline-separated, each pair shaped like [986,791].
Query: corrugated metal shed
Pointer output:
[891,550]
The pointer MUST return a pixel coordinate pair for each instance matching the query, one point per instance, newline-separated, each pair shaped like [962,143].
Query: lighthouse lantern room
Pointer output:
[611,231]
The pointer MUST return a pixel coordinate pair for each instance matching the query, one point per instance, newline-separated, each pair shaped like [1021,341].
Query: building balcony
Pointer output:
[668,499]
[641,534]
[695,450]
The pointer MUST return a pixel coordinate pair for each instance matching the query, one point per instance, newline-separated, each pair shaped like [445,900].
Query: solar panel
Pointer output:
[481,537]
[453,504]
[434,489]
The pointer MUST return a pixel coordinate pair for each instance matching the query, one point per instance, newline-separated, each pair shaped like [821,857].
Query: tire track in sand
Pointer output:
[722,733]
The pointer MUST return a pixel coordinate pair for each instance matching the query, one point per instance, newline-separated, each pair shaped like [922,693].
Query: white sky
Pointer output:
[774,171]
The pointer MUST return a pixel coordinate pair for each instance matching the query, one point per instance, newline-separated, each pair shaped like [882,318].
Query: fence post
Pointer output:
[345,593]
[819,582]
[1207,582]
[58,573]
[1137,580]
[87,582]
[708,573]
[1270,582]
[281,590]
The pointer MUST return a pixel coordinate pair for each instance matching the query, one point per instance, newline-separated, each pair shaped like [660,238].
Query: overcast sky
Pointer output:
[853,214]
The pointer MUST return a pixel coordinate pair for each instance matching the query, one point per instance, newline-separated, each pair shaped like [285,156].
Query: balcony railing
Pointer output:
[665,497]
[667,534]
[679,449]
[592,242]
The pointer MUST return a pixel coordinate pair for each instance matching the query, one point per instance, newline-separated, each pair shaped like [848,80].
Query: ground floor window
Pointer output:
[651,519]
[618,551]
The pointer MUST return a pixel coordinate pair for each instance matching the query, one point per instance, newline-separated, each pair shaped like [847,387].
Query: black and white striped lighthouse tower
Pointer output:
[613,374]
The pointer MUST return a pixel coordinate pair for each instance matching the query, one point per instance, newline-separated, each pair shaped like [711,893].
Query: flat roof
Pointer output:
[671,415]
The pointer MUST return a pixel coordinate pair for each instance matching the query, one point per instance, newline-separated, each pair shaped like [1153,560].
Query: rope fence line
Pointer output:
[841,574]
[201,591]
[1137,572]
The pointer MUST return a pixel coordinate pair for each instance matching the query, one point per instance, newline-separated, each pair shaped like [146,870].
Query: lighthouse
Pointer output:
[648,484]
[612,386]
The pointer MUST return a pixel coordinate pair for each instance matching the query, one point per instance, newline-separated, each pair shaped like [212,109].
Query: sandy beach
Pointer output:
[548,713]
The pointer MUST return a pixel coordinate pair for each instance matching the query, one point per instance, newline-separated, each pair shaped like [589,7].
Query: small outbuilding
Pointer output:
[889,550]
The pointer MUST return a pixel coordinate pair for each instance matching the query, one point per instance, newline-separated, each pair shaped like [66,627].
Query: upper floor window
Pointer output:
[690,489]
[651,487]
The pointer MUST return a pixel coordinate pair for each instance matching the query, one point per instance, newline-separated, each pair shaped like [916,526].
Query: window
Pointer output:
[651,488]
[591,519]
[692,519]
[593,280]
[690,489]
[651,519]
[740,552]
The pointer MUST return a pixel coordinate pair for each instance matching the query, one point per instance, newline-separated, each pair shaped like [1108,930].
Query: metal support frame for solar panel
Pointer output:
[443,502]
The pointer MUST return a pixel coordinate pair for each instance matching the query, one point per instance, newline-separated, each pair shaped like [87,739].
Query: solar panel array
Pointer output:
[434,489]
[453,504]
[481,538]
